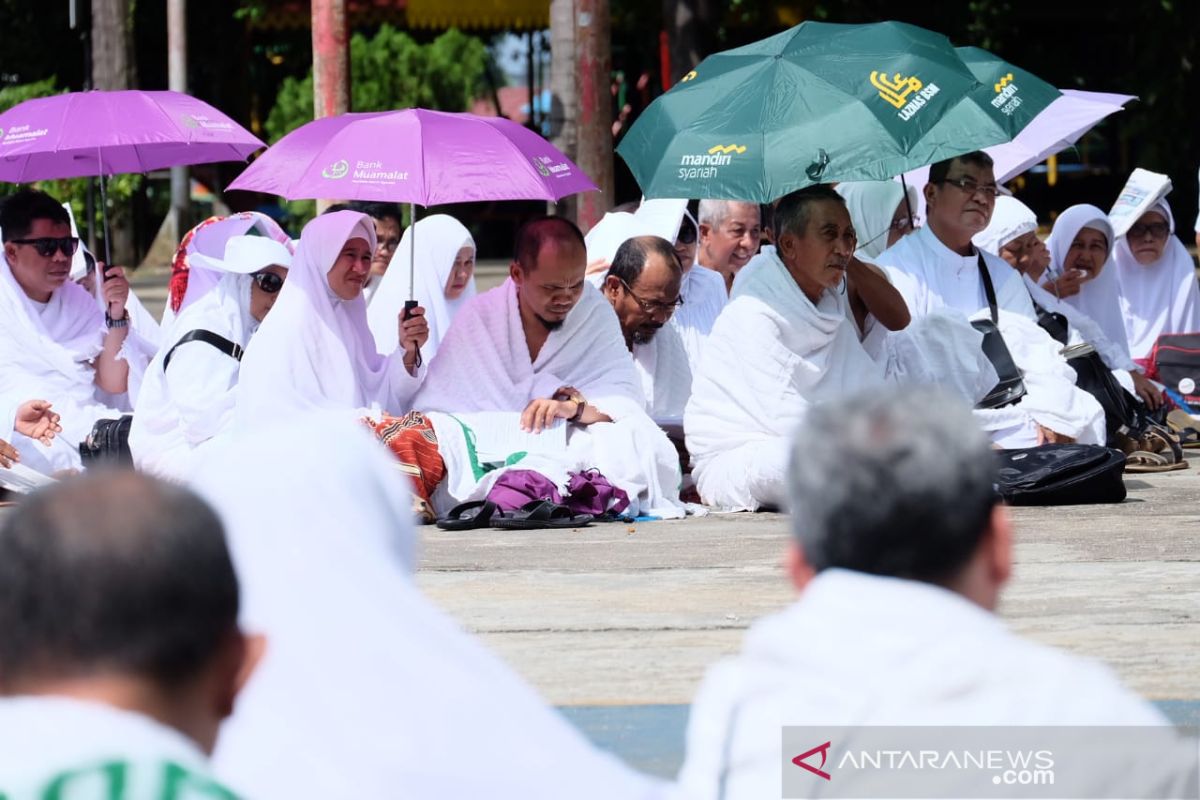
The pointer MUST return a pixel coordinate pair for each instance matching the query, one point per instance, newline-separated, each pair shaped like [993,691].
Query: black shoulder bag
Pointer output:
[231,349]
[1011,387]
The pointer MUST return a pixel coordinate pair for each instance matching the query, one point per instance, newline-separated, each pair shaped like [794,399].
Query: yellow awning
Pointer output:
[486,14]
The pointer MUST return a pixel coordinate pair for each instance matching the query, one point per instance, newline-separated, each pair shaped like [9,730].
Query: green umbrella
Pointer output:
[817,103]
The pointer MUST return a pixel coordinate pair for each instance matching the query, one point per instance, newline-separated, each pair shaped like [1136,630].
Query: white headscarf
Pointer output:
[1010,219]
[1157,298]
[366,689]
[315,350]
[439,238]
[1099,299]
[872,204]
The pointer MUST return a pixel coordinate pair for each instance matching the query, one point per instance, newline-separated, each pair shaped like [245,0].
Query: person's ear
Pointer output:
[785,244]
[798,569]
[242,657]
[612,286]
[516,273]
[999,543]
[705,231]
[929,191]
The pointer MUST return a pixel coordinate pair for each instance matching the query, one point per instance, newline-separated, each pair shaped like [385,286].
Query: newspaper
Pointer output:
[1143,189]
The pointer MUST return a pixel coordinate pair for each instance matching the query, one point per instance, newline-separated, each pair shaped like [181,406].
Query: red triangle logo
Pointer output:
[823,749]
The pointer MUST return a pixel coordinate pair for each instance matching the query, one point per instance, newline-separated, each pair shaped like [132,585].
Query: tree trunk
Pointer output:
[562,87]
[593,81]
[331,64]
[111,70]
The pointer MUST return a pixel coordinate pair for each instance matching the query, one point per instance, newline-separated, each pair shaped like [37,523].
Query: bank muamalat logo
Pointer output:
[1006,100]
[205,123]
[708,165]
[907,95]
[547,166]
[336,170]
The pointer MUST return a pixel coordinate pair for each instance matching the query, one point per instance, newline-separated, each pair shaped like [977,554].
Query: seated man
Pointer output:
[785,341]
[542,357]
[643,286]
[938,269]
[900,553]
[55,341]
[121,653]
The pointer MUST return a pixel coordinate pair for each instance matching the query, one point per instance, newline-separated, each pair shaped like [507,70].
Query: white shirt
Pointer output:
[704,295]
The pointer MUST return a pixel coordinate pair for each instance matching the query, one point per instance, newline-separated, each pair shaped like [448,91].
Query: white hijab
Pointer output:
[1100,298]
[315,350]
[365,688]
[439,238]
[1161,297]
[1010,219]
[872,204]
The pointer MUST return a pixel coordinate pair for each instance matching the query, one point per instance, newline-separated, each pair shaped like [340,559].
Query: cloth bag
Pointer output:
[1061,475]
[1011,386]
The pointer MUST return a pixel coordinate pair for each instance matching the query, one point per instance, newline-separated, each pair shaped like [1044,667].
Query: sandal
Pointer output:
[1145,461]
[1183,425]
[469,516]
[539,514]
[1158,439]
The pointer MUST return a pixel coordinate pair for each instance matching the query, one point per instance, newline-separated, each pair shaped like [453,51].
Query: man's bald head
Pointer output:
[536,234]
[113,574]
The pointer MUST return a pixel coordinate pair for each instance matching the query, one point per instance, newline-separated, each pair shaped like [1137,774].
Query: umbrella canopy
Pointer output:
[414,156]
[110,133]
[819,102]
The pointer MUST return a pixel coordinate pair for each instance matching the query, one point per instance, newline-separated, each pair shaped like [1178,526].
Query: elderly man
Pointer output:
[539,366]
[785,341]
[900,554]
[643,286]
[121,652]
[55,341]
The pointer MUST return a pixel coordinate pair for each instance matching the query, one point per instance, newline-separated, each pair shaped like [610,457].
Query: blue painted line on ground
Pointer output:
[650,738]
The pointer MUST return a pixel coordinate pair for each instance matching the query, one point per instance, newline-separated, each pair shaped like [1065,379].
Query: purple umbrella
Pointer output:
[111,133]
[414,156]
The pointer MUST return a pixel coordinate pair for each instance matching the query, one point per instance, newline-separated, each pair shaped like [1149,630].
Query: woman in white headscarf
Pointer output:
[365,689]
[189,392]
[1157,279]
[316,351]
[1081,244]
[879,214]
[443,281]
[1012,235]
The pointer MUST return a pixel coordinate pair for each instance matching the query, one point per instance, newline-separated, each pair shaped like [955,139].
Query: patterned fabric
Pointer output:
[179,265]
[412,440]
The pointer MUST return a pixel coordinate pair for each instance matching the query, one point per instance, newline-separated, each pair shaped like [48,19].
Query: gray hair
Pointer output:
[794,209]
[898,483]
[714,212]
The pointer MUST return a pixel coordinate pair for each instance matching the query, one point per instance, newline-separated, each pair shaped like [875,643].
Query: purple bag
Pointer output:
[589,492]
[517,487]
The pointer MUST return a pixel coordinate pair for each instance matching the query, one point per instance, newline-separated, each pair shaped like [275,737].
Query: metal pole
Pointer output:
[177,82]
[411,302]
[331,64]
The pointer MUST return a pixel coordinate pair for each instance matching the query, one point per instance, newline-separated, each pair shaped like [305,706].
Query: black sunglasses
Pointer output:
[269,282]
[46,245]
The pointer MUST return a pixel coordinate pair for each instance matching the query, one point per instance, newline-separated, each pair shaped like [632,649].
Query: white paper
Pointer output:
[663,216]
[20,478]
[498,435]
[1143,189]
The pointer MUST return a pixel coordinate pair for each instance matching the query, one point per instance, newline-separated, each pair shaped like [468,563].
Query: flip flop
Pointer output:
[469,516]
[537,515]
[1145,461]
[1183,425]
[1158,439]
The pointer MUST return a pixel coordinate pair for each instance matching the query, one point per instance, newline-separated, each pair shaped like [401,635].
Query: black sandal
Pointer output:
[537,515]
[469,516]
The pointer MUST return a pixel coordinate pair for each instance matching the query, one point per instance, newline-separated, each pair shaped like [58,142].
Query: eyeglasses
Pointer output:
[687,229]
[1157,230]
[46,245]
[653,307]
[388,244]
[971,187]
[269,282]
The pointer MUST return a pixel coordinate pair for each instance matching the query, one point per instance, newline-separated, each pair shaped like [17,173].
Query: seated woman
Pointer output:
[444,280]
[1157,278]
[1012,235]
[316,351]
[1081,272]
[188,395]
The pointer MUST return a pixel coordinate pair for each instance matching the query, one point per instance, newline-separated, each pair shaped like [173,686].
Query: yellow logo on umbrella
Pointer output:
[896,89]
[726,149]
[338,169]
[691,76]
[1005,81]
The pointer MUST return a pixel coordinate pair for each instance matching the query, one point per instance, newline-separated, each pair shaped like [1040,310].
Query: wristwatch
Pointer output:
[111,323]
[573,395]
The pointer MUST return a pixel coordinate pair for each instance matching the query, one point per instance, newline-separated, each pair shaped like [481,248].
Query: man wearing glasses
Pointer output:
[56,342]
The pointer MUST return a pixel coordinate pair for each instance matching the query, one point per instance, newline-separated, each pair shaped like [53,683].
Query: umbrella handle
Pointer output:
[409,305]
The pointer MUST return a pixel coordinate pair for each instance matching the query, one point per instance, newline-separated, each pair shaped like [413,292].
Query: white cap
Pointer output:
[245,255]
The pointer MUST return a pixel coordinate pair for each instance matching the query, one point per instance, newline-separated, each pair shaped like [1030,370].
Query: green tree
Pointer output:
[390,71]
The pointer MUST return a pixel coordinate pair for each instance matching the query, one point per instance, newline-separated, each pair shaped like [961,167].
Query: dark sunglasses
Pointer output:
[269,282]
[46,245]
[687,230]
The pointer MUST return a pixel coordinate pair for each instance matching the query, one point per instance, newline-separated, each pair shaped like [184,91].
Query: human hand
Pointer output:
[1145,389]
[114,289]
[8,454]
[1067,284]
[35,420]
[541,414]
[1047,436]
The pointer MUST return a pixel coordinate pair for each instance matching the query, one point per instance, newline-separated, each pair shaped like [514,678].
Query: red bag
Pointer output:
[1175,363]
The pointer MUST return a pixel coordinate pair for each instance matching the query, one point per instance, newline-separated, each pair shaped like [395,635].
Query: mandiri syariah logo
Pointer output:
[819,770]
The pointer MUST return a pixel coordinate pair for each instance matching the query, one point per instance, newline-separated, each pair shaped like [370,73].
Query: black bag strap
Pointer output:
[231,349]
[988,289]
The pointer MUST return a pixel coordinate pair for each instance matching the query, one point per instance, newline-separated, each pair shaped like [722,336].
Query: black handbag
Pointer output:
[1061,475]
[108,443]
[231,349]
[1011,387]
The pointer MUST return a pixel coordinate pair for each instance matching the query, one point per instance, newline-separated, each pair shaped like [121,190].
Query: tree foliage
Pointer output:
[389,71]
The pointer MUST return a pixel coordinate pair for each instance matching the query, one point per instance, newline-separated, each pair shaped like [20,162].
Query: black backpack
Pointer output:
[1060,475]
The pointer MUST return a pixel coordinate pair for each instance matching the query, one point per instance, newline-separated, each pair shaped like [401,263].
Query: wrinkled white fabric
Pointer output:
[484,365]
[1010,219]
[1099,299]
[872,204]
[666,378]
[704,295]
[1157,298]
[315,351]
[365,688]
[863,650]
[439,238]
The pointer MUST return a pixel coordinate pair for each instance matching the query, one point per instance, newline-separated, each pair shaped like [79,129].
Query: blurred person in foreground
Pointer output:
[120,652]
[895,623]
